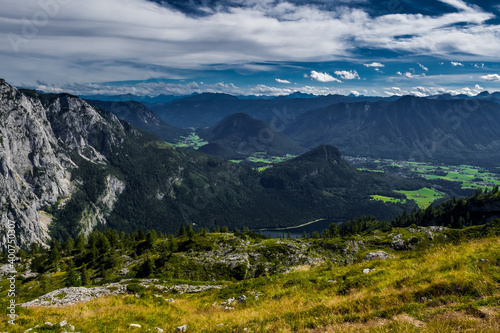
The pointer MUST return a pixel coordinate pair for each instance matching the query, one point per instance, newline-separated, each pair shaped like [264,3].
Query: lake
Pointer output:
[297,231]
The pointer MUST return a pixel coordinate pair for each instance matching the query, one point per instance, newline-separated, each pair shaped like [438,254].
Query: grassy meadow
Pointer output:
[453,287]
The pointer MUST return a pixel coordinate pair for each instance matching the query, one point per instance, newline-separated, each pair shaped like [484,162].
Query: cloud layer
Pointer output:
[64,42]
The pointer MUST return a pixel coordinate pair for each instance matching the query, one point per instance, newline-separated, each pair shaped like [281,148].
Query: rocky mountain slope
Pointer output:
[140,116]
[39,137]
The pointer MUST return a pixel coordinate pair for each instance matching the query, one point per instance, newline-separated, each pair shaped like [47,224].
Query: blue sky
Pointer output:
[252,47]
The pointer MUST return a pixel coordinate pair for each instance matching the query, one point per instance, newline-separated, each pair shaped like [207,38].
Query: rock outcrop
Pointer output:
[39,138]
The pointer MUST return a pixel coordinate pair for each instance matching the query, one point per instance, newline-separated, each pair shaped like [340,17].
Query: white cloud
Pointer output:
[142,88]
[348,75]
[466,91]
[491,77]
[374,64]
[399,73]
[283,81]
[103,47]
[421,91]
[455,64]
[481,65]
[355,93]
[457,4]
[423,67]
[321,77]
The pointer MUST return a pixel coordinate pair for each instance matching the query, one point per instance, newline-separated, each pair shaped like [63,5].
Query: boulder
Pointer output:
[377,255]
[182,328]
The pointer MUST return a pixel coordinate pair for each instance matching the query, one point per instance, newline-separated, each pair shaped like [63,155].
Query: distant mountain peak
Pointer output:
[323,152]
[206,96]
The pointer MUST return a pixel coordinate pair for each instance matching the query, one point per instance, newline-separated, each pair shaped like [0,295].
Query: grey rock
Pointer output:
[72,295]
[36,140]
[182,328]
[377,255]
[397,242]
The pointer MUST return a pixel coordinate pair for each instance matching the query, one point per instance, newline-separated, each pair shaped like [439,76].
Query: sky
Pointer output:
[251,47]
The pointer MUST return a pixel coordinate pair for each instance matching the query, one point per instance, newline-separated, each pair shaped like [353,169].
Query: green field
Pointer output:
[269,159]
[370,170]
[423,197]
[193,141]
[471,177]
[387,199]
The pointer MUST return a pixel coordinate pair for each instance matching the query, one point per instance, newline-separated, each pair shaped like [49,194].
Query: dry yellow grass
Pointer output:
[447,289]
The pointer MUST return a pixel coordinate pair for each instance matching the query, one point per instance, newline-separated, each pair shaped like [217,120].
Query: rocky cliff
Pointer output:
[39,137]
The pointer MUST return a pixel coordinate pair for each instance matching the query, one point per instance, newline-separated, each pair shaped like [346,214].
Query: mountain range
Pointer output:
[443,128]
[453,131]
[67,167]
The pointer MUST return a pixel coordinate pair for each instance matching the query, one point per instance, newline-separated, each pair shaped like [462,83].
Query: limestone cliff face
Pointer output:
[37,138]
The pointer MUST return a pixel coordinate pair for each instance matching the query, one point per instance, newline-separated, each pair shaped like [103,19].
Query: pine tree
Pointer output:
[80,244]
[173,244]
[182,231]
[71,279]
[140,236]
[35,248]
[44,283]
[69,246]
[151,238]
[461,222]
[334,230]
[85,276]
[113,237]
[225,229]
[190,231]
[103,244]
[147,268]
[54,253]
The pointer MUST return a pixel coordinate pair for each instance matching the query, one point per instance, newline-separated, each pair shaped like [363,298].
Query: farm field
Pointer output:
[423,197]
[471,177]
[260,158]
[387,199]
[193,141]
